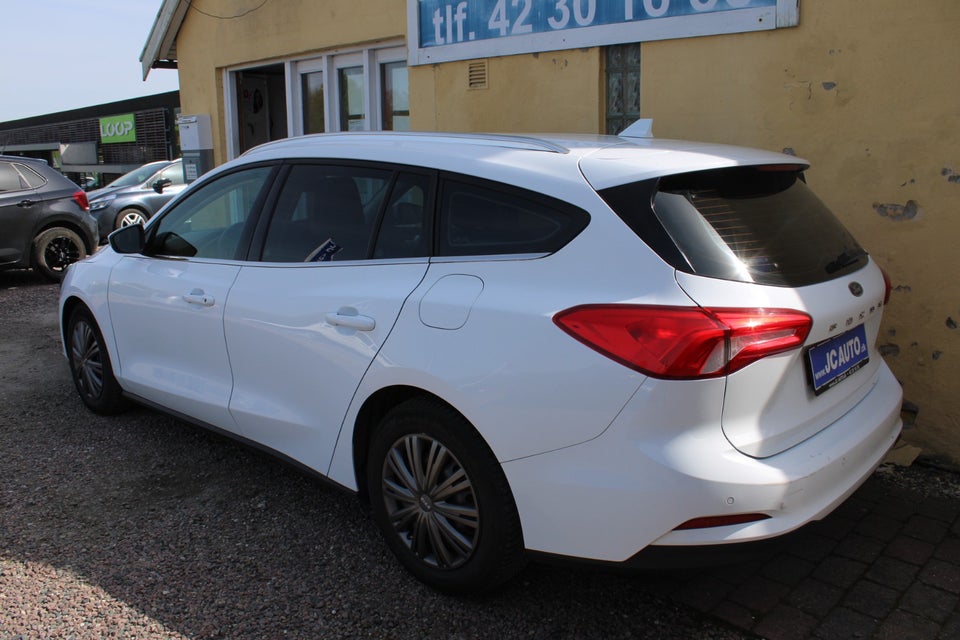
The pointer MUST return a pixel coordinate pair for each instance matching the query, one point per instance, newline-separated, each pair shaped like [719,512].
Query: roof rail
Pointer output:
[486,140]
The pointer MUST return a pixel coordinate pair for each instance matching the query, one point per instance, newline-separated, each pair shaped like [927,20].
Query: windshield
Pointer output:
[138,175]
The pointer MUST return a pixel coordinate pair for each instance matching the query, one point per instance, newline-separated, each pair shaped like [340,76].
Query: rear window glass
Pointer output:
[748,224]
[480,220]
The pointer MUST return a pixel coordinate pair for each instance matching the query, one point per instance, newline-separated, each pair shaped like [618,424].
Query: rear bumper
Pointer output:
[665,461]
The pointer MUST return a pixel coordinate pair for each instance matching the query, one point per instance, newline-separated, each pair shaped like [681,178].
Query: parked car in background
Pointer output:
[135,196]
[579,346]
[45,220]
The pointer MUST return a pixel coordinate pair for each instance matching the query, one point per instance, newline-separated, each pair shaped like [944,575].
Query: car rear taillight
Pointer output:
[80,197]
[684,343]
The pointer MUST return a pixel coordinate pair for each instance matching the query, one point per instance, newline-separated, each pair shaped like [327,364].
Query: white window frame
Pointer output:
[370,58]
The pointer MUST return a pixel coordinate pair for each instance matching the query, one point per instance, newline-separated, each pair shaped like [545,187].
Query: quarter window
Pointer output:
[210,222]
[479,220]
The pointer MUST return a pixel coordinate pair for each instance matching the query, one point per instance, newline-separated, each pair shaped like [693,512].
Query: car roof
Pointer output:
[24,159]
[605,161]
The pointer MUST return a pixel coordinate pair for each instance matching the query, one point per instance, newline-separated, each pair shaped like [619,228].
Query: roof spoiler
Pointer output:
[642,128]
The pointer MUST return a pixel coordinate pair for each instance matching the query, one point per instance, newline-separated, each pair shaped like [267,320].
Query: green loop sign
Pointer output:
[118,129]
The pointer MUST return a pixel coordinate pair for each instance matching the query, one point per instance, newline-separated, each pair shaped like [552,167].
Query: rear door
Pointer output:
[20,205]
[343,250]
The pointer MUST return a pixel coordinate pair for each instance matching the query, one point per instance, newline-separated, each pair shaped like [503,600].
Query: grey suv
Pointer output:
[45,220]
[134,197]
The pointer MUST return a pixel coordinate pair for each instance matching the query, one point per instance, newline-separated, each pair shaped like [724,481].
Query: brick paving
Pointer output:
[886,564]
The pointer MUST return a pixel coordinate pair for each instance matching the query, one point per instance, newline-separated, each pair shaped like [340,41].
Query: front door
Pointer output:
[167,306]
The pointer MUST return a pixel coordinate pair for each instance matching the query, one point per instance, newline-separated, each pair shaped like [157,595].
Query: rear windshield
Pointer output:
[748,224]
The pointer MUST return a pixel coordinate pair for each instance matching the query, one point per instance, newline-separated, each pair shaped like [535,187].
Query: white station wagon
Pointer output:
[568,346]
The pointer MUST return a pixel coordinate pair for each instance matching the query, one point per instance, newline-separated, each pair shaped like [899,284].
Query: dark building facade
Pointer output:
[101,141]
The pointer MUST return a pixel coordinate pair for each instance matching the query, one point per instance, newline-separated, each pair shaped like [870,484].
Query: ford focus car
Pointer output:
[566,346]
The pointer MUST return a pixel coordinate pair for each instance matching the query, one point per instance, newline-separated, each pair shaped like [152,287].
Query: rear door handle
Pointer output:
[350,319]
[197,296]
[26,203]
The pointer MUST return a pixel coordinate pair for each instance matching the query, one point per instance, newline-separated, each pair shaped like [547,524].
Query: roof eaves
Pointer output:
[160,48]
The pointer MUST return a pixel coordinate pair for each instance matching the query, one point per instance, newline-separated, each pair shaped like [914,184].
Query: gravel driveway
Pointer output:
[141,526]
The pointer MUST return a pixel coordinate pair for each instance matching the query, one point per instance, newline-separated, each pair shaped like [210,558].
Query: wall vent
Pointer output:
[477,75]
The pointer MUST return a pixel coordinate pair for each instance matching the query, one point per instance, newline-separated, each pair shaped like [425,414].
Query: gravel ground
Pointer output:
[141,526]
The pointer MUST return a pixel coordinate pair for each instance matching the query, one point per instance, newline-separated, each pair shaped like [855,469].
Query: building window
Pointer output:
[352,99]
[396,96]
[353,90]
[623,86]
[312,97]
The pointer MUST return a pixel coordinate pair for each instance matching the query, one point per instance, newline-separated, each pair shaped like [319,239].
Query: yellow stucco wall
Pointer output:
[866,91]
[551,91]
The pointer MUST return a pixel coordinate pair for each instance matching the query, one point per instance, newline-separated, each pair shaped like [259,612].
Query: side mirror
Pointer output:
[160,184]
[130,239]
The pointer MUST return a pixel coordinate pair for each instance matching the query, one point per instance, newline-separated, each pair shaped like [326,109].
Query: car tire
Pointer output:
[90,365]
[442,500]
[56,249]
[128,217]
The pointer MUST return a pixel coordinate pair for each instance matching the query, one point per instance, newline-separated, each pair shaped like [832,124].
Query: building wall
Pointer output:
[276,30]
[551,91]
[866,93]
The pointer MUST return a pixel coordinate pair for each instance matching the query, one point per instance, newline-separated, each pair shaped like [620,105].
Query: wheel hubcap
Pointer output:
[430,501]
[60,253]
[87,363]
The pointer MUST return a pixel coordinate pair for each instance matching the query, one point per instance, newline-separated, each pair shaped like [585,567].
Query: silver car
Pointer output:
[135,196]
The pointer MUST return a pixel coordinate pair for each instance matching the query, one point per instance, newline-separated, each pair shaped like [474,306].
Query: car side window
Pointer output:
[404,229]
[10,178]
[487,220]
[209,222]
[173,173]
[326,213]
[32,179]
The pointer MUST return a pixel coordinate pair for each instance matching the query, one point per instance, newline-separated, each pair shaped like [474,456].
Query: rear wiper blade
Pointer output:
[845,259]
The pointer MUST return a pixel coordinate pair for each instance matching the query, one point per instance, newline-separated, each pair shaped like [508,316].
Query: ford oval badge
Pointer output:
[856,289]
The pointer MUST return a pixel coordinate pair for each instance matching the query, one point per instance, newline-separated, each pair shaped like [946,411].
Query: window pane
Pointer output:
[352,117]
[209,223]
[482,221]
[404,232]
[622,87]
[745,224]
[325,213]
[313,114]
[173,173]
[32,178]
[396,97]
[9,178]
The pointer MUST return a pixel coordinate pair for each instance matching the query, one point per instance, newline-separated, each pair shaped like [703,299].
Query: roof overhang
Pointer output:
[160,50]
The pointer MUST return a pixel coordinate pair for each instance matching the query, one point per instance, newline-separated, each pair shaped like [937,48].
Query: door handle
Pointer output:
[197,296]
[350,319]
[26,203]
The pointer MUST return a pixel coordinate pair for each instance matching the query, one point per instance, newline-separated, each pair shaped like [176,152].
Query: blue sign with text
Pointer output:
[447,22]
